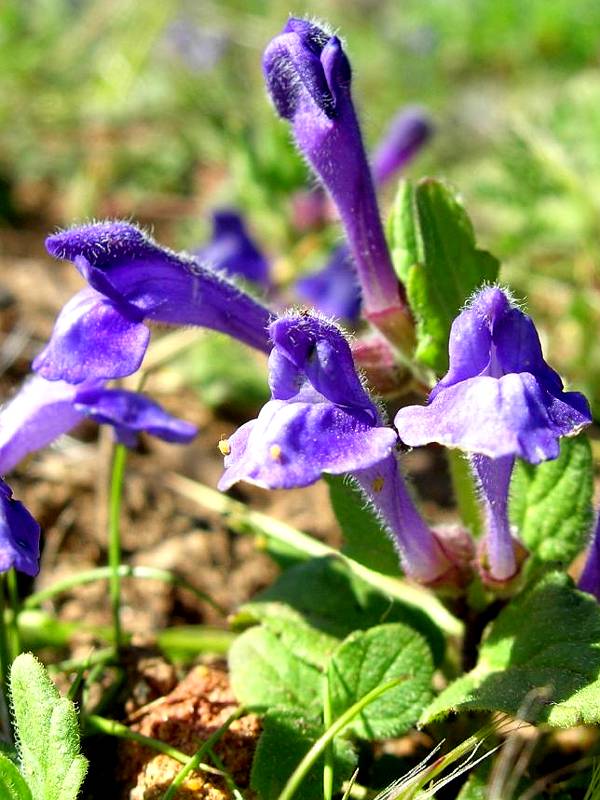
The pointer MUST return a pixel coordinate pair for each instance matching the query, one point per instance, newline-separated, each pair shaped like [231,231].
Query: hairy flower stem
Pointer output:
[421,555]
[493,476]
[114,537]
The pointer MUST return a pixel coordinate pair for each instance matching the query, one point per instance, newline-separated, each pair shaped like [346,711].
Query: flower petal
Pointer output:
[470,343]
[121,261]
[311,358]
[93,338]
[37,415]
[131,413]
[19,535]
[291,444]
[512,415]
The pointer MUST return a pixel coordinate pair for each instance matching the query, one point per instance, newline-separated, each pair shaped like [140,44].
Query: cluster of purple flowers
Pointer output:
[498,401]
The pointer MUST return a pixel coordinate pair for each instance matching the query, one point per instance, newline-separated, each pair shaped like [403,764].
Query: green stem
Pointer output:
[196,759]
[338,726]
[327,723]
[124,571]
[111,727]
[114,536]
[13,593]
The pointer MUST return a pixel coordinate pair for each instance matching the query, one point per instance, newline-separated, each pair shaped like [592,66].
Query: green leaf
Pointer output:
[47,733]
[289,733]
[12,785]
[316,604]
[551,504]
[368,659]
[365,539]
[435,255]
[540,660]
[265,672]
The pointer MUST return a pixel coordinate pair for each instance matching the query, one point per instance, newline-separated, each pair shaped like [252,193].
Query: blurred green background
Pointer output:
[156,110]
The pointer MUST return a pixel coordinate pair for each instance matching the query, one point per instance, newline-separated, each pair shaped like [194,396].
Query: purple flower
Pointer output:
[589,580]
[101,333]
[44,410]
[499,397]
[232,250]
[499,400]
[321,419]
[19,535]
[408,132]
[308,77]
[334,290]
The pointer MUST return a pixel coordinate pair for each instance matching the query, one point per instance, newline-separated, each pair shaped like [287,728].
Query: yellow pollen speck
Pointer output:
[225,447]
[275,452]
[378,484]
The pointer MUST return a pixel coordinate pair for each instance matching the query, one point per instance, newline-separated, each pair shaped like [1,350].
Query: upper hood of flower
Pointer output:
[499,396]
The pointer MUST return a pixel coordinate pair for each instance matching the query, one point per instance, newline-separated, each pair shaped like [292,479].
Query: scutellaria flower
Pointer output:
[232,251]
[308,76]
[321,420]
[499,400]
[44,410]
[19,535]
[102,331]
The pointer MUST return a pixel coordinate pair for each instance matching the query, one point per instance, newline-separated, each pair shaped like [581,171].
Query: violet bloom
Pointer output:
[589,580]
[101,333]
[499,400]
[334,290]
[408,132]
[19,535]
[321,420]
[308,77]
[44,410]
[232,251]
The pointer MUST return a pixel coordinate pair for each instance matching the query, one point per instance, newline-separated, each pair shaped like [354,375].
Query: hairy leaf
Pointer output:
[12,784]
[265,672]
[47,733]
[551,503]
[540,660]
[368,659]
